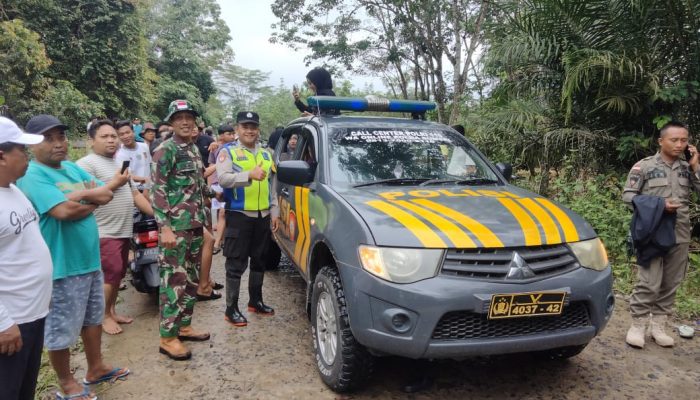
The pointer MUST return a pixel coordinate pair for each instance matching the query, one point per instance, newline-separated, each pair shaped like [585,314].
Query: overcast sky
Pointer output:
[249,22]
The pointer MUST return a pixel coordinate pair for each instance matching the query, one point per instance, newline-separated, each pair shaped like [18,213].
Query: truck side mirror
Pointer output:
[506,170]
[295,172]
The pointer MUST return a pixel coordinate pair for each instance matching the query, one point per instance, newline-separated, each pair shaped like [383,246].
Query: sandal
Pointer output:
[213,296]
[84,394]
[111,376]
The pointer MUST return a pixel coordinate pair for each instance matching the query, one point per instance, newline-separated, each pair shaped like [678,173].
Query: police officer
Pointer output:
[251,213]
[665,175]
[178,196]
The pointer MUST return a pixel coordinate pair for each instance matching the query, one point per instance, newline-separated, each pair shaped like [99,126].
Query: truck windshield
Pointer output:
[365,156]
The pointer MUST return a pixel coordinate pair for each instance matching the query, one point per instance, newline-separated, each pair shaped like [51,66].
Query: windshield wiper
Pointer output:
[392,180]
[438,181]
[477,181]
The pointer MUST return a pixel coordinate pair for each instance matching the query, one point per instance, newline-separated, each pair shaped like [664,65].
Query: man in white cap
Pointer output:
[25,271]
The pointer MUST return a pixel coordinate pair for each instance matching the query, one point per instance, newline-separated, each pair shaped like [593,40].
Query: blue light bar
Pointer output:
[371,104]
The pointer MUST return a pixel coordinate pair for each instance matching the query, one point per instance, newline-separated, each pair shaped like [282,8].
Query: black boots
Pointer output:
[234,317]
[260,308]
[256,305]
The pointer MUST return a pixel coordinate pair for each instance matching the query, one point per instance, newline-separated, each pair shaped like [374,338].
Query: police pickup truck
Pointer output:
[413,244]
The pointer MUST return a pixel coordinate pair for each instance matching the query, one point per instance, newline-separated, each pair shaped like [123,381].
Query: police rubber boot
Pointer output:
[173,348]
[256,305]
[261,308]
[635,335]
[234,316]
[658,331]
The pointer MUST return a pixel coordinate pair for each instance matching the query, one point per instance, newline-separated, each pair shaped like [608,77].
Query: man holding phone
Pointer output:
[668,176]
[115,219]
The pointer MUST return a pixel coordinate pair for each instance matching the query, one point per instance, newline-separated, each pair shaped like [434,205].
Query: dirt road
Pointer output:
[272,359]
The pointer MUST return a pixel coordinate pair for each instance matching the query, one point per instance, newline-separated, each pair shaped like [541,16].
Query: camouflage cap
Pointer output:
[177,106]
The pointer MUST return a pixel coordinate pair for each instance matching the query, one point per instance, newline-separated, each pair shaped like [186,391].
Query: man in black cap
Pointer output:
[251,214]
[65,196]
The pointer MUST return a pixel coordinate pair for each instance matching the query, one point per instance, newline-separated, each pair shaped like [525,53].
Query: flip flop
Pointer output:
[85,393]
[217,250]
[111,376]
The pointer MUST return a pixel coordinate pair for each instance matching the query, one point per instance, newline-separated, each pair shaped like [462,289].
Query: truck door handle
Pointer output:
[285,192]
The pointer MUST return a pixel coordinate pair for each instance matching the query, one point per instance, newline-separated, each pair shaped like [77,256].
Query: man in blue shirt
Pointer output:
[64,196]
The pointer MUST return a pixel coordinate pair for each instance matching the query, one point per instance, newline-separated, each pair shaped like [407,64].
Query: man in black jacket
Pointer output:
[668,176]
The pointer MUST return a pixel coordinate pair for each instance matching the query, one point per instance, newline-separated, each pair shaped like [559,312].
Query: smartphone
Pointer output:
[125,165]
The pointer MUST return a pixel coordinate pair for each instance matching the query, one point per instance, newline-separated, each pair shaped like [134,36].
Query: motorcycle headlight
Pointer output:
[400,265]
[591,254]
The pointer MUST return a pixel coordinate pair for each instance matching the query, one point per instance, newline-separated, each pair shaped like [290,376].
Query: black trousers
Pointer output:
[19,372]
[246,237]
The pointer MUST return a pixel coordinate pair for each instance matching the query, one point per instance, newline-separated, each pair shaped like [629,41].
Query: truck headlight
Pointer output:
[590,253]
[400,265]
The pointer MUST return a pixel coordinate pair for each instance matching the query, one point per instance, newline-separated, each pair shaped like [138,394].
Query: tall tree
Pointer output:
[431,44]
[97,45]
[23,67]
[188,41]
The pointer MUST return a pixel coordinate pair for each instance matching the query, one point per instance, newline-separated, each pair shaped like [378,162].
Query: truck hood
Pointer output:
[464,216]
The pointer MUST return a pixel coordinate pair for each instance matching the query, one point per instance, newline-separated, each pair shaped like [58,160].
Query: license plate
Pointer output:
[518,305]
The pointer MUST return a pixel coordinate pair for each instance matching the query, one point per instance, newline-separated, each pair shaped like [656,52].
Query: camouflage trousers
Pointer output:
[179,267]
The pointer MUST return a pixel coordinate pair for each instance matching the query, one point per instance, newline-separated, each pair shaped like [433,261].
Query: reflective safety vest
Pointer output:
[256,196]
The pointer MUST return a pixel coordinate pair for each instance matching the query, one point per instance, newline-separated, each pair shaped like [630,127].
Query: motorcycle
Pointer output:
[144,267]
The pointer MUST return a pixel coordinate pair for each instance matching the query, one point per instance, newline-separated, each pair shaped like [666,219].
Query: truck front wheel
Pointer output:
[343,363]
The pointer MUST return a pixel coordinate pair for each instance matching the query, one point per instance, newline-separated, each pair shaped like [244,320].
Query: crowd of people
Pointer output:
[66,229]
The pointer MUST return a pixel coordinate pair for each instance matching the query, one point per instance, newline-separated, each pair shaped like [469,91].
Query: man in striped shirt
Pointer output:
[114,219]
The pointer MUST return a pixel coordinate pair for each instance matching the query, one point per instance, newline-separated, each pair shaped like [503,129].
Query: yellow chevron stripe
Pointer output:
[551,231]
[570,232]
[301,236]
[413,224]
[307,228]
[530,231]
[452,231]
[484,234]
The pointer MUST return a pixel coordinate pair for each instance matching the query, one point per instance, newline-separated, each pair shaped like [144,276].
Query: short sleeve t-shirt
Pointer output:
[74,245]
[116,218]
[25,262]
[139,161]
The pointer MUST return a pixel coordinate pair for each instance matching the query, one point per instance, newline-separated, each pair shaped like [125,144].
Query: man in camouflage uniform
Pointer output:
[668,176]
[178,194]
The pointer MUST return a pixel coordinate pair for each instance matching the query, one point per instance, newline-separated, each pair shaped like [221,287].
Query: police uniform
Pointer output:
[656,286]
[249,206]
[178,196]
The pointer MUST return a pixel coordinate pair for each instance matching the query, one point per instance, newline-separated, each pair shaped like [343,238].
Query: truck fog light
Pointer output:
[397,320]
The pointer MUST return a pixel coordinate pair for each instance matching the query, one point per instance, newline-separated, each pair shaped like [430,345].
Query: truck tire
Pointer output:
[343,363]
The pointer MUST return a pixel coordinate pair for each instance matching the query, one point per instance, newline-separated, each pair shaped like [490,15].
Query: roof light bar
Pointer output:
[369,104]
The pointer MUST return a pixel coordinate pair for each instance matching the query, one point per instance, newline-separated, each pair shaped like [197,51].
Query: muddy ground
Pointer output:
[271,358]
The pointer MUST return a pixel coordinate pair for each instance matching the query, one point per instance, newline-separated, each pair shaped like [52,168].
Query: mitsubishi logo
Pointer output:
[519,268]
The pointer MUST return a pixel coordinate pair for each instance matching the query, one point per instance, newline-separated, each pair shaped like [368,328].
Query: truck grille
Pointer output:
[457,325]
[494,264]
